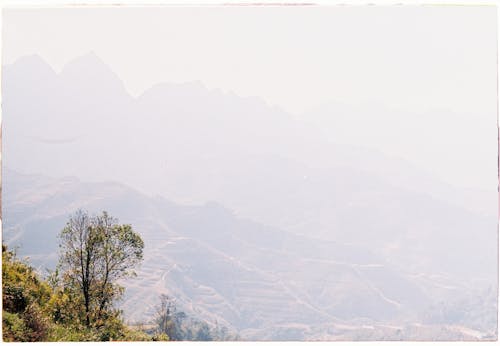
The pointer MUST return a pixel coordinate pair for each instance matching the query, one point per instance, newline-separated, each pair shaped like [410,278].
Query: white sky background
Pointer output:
[412,58]
[295,57]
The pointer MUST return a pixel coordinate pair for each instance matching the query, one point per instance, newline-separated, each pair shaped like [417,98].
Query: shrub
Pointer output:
[13,327]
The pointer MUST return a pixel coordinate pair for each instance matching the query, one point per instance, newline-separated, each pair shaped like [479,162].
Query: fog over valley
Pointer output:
[281,187]
[251,217]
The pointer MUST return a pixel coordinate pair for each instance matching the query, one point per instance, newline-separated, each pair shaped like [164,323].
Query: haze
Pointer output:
[425,74]
[296,173]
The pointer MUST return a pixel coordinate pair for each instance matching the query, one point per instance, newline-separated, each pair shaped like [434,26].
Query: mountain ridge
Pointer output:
[134,113]
[285,195]
[216,272]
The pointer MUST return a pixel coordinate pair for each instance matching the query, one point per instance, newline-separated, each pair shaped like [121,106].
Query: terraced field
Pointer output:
[259,281]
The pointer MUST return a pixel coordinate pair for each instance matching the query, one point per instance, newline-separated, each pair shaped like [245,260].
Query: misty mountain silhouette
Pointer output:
[220,267]
[303,208]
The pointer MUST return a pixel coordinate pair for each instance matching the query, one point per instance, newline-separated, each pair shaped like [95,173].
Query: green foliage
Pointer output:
[24,298]
[20,284]
[96,252]
[179,327]
[13,327]
[138,335]
[161,337]
[76,302]
[62,306]
[168,320]
[68,332]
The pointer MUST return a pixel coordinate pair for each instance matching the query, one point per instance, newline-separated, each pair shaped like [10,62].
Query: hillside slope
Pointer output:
[263,282]
[196,145]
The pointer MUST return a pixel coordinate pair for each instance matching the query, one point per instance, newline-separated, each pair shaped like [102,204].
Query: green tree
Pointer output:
[203,333]
[37,309]
[96,252]
[168,319]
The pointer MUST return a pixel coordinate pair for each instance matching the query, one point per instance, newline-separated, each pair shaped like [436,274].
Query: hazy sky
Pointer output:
[295,57]
[411,58]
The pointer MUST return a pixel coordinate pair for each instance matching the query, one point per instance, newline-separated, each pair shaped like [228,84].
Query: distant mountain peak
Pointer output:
[90,71]
[29,66]
[90,59]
